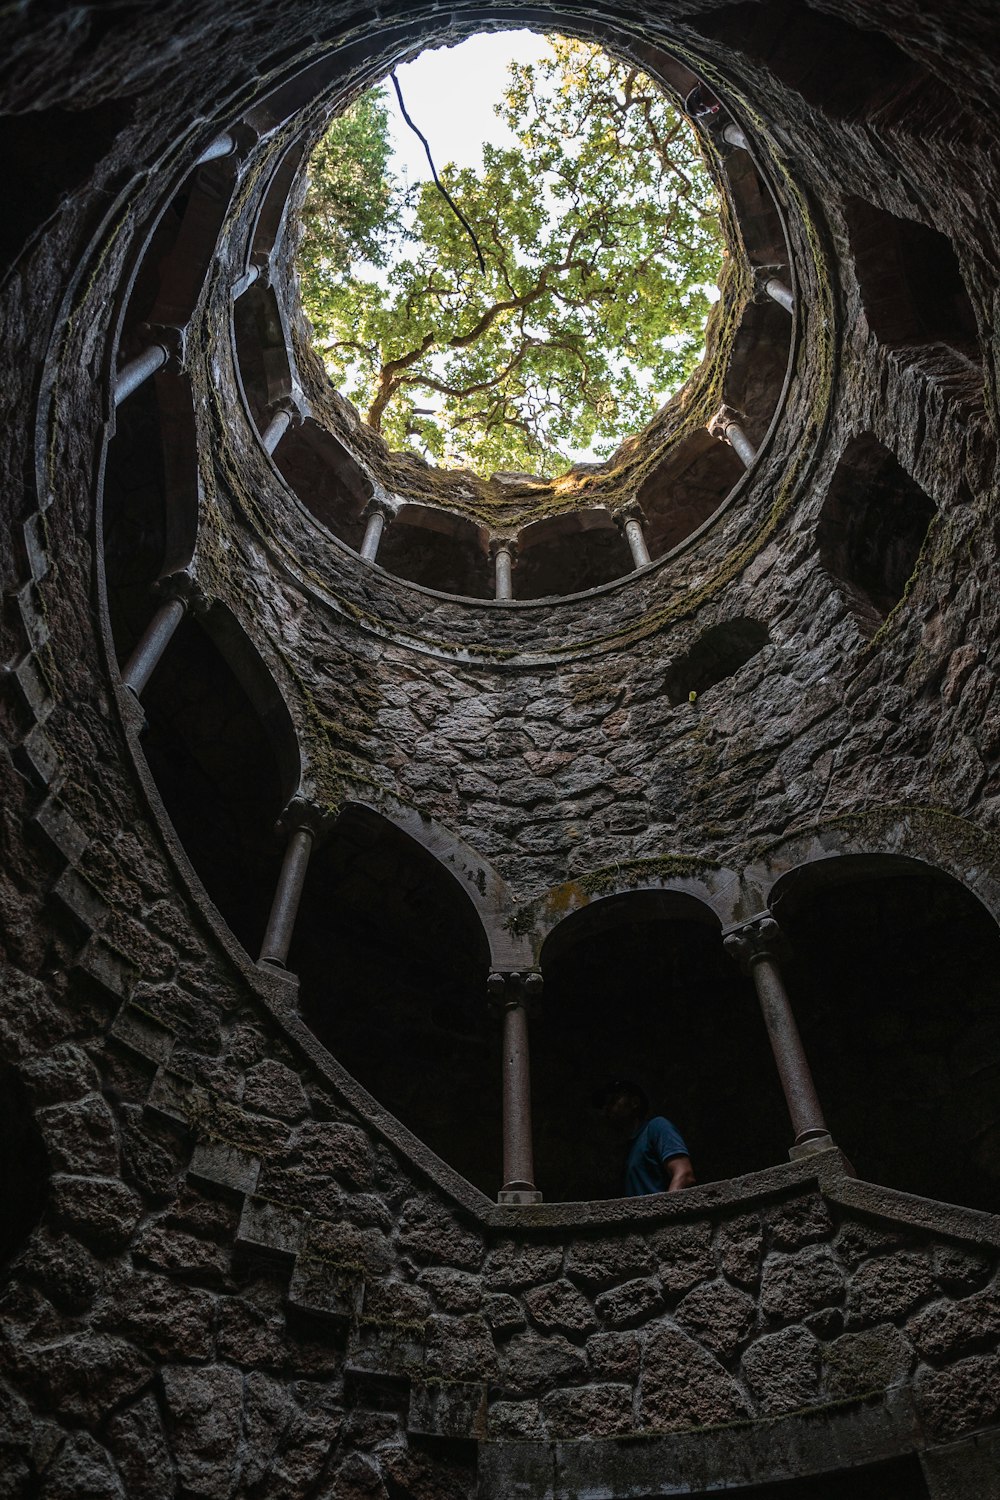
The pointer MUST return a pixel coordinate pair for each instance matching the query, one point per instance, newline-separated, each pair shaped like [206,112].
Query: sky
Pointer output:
[450,94]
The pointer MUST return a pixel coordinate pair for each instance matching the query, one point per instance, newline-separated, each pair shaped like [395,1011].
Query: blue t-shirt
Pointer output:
[647,1152]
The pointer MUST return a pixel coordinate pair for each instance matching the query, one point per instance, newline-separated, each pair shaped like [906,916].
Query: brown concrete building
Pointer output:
[333,784]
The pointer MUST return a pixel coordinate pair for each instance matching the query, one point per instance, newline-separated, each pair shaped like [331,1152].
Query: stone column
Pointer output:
[504,554]
[181,593]
[755,945]
[276,429]
[245,282]
[131,376]
[630,521]
[377,514]
[726,426]
[512,995]
[299,822]
[733,136]
[777,290]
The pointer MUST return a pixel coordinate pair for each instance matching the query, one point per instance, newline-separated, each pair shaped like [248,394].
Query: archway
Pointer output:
[894,972]
[221,747]
[639,986]
[392,962]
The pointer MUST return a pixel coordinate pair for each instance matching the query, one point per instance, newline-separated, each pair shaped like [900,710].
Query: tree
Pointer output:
[599,235]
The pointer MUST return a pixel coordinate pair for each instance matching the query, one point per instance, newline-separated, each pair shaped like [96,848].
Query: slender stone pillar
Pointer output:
[131,376]
[288,893]
[727,426]
[504,553]
[377,514]
[245,282]
[276,429]
[181,593]
[511,997]
[755,946]
[733,136]
[779,292]
[630,521]
[223,145]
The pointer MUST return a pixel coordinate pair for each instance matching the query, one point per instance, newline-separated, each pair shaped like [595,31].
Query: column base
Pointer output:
[285,979]
[810,1148]
[521,1195]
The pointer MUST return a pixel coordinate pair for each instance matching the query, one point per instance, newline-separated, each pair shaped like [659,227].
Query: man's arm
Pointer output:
[679,1173]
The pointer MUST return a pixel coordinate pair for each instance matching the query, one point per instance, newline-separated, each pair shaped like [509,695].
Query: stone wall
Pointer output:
[248,1278]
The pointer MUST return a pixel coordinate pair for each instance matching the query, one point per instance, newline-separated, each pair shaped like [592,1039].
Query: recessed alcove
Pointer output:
[326,479]
[135,514]
[640,987]
[894,973]
[439,550]
[871,529]
[758,363]
[262,348]
[392,962]
[911,282]
[686,489]
[568,553]
[847,71]
[717,654]
[221,751]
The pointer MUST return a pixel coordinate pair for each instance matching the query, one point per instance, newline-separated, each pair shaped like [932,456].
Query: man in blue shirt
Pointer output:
[657,1159]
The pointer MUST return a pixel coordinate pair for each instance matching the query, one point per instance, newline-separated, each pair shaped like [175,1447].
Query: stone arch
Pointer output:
[392,957]
[222,750]
[568,553]
[718,653]
[892,967]
[326,478]
[437,549]
[687,488]
[871,529]
[638,985]
[150,499]
[911,282]
[486,890]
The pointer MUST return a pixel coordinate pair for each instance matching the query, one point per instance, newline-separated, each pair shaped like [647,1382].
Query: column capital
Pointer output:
[724,418]
[630,511]
[300,814]
[761,276]
[381,504]
[758,938]
[171,337]
[507,988]
[185,587]
[506,544]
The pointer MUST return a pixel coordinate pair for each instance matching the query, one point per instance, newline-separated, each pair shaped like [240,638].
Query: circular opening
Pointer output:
[510,251]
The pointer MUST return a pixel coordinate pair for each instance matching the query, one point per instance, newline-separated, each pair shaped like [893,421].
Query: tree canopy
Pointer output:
[599,234]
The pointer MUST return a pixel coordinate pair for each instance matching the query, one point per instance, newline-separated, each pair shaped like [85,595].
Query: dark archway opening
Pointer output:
[217,764]
[392,963]
[24,1167]
[326,479]
[568,554]
[910,280]
[894,974]
[716,655]
[134,515]
[872,526]
[686,488]
[439,551]
[640,987]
